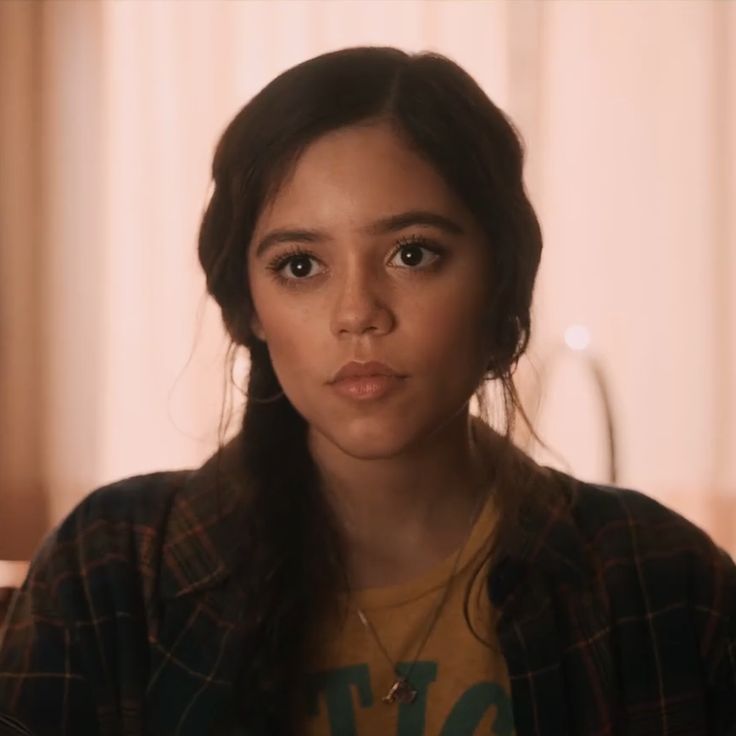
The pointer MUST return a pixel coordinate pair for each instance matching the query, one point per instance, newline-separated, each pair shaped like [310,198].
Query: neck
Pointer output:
[401,514]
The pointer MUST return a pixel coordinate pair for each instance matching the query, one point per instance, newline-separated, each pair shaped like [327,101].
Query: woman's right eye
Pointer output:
[293,266]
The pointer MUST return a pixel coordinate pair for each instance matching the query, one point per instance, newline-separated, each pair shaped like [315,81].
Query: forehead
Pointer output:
[353,175]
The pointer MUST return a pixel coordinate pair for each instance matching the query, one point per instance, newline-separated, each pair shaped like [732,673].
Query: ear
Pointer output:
[256,327]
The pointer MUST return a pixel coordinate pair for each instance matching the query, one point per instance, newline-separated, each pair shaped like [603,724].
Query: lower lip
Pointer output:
[367,387]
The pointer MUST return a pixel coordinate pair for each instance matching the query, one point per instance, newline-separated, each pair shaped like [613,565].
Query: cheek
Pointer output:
[289,333]
[450,328]
[292,342]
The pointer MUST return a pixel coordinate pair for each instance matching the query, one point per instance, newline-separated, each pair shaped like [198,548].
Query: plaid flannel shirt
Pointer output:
[616,616]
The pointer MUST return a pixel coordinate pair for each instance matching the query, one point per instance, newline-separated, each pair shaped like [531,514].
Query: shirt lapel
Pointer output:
[197,644]
[553,621]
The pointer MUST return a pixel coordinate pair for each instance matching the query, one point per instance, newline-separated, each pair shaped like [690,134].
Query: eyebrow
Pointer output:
[382,226]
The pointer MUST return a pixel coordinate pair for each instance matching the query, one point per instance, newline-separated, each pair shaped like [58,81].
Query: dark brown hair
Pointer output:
[291,550]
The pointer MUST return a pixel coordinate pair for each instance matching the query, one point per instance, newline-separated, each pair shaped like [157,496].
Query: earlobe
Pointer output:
[257,328]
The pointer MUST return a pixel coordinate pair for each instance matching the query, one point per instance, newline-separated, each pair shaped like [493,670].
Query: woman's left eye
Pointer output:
[412,252]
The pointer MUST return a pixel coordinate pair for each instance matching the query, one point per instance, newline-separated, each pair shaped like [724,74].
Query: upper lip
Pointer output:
[371,368]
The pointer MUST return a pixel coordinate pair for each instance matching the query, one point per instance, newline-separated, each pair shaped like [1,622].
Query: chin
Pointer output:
[361,451]
[369,438]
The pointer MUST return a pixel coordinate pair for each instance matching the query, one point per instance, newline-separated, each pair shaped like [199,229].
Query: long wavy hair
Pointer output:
[291,558]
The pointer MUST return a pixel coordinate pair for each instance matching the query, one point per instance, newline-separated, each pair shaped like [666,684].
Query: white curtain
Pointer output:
[111,359]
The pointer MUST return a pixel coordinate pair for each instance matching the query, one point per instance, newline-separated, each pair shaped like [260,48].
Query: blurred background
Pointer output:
[112,357]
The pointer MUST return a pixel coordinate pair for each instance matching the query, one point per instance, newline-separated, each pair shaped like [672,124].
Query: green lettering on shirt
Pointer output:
[336,686]
[412,715]
[467,713]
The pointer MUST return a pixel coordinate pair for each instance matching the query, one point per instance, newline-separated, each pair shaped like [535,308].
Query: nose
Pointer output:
[361,304]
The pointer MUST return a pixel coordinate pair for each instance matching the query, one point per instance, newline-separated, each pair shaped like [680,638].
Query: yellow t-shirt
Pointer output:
[462,684]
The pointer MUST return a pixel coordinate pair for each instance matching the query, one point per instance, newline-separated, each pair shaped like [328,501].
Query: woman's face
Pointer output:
[412,296]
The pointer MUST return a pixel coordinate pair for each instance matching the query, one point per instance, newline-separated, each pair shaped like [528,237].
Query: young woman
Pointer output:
[366,556]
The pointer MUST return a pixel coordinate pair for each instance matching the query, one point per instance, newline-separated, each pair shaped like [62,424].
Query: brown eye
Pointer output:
[411,255]
[293,267]
[416,253]
[299,266]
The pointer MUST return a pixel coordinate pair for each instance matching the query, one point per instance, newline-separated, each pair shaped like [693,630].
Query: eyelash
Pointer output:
[278,263]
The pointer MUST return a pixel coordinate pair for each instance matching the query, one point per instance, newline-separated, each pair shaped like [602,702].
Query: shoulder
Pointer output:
[76,636]
[657,566]
[618,522]
[134,503]
[142,537]
[623,538]
[110,539]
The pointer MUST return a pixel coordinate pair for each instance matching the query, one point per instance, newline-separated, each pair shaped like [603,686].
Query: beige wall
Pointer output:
[23,497]
[111,356]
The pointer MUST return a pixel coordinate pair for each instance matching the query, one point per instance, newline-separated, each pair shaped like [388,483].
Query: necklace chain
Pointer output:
[402,689]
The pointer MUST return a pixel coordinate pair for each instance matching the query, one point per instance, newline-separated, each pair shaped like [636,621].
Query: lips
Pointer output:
[360,370]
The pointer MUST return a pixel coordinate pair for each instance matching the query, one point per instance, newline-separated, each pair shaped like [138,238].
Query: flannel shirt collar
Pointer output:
[546,549]
[549,541]
[201,537]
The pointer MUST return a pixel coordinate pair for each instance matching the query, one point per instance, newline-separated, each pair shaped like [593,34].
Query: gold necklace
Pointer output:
[402,690]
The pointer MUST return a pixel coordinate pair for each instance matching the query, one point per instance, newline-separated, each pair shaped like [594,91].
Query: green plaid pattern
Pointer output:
[616,616]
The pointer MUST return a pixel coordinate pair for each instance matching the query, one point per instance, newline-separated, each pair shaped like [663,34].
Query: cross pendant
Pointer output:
[402,691]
